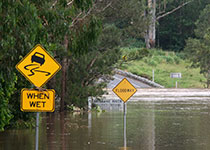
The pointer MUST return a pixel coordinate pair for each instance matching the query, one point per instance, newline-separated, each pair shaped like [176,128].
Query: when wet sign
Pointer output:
[38,66]
[37,101]
[124,90]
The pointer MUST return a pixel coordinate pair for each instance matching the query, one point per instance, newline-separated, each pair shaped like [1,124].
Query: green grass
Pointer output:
[163,63]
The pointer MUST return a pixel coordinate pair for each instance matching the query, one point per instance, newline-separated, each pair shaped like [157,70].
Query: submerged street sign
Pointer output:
[37,101]
[124,90]
[38,66]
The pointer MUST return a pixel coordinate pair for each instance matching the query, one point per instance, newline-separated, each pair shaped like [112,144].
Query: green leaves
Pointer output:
[198,49]
[202,23]
[7,88]
[83,4]
[174,29]
[85,36]
[85,72]
[26,23]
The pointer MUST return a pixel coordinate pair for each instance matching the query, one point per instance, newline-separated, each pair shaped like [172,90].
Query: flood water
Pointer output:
[165,125]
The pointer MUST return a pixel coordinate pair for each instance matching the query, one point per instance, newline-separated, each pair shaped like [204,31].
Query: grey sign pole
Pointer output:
[124,125]
[37,131]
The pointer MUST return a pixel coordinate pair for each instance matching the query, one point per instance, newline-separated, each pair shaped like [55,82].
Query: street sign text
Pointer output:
[37,101]
[124,90]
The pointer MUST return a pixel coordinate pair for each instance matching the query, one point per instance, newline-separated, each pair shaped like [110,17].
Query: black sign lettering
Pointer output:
[124,90]
[38,104]
[43,104]
[32,104]
[37,96]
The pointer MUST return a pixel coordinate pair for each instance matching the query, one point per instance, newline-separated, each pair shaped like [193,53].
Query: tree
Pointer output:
[125,17]
[157,10]
[138,19]
[20,29]
[174,29]
[67,29]
[198,49]
[90,71]
[64,21]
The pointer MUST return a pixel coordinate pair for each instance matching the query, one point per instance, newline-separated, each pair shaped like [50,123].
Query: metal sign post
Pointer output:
[124,124]
[37,132]
[124,90]
[38,66]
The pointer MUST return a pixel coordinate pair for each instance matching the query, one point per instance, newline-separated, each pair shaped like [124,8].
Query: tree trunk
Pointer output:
[64,76]
[151,31]
[150,34]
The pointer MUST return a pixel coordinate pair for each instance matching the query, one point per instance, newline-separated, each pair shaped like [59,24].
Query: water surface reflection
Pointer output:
[164,125]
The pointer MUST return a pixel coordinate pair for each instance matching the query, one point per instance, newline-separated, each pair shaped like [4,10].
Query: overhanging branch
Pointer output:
[103,9]
[71,2]
[81,16]
[173,10]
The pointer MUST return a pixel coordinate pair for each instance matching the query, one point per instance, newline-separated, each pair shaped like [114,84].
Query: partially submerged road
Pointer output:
[135,83]
[170,94]
[151,91]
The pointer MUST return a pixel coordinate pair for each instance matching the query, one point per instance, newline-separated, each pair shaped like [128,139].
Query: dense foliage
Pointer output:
[198,49]
[67,29]
[174,29]
[133,18]
[20,29]
[90,72]
[126,20]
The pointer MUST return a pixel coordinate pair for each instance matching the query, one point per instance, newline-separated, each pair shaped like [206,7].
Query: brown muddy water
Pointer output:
[165,125]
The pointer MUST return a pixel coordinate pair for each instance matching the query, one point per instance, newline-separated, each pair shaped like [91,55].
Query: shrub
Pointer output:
[177,60]
[169,59]
[133,43]
[110,38]
[146,76]
[135,53]
[157,59]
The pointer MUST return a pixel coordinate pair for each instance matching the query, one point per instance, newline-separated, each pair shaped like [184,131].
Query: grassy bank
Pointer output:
[163,63]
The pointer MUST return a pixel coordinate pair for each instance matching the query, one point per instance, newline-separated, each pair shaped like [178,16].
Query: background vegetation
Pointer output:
[163,63]
[69,30]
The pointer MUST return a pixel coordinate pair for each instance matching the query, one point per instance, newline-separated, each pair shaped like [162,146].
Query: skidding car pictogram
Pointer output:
[38,57]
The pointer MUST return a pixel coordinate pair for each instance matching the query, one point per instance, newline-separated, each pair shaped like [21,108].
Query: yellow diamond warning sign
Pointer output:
[37,101]
[38,66]
[124,90]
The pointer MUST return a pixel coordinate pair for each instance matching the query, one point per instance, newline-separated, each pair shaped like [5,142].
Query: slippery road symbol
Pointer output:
[38,58]
[38,66]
